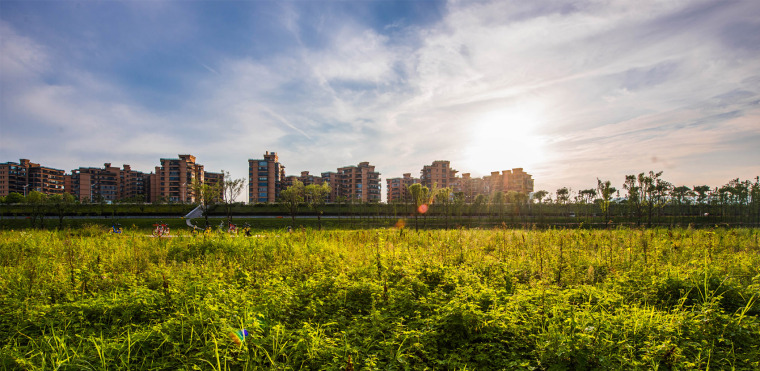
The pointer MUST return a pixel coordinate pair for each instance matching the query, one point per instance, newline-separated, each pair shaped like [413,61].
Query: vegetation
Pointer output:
[381,299]
[646,200]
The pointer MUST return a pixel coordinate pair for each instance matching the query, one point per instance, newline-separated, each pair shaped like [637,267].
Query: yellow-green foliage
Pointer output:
[381,299]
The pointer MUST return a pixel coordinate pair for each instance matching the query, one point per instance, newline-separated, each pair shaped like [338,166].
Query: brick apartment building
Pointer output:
[439,174]
[265,179]
[109,184]
[472,187]
[25,176]
[305,178]
[398,188]
[510,180]
[333,179]
[361,183]
[308,179]
[173,180]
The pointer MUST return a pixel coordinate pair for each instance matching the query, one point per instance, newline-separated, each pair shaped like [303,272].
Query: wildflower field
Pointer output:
[381,299]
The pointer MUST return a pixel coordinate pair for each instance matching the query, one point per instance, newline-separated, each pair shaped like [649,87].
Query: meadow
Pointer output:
[381,299]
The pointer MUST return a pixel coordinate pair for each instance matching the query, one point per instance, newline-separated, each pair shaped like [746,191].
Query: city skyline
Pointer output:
[570,92]
[170,181]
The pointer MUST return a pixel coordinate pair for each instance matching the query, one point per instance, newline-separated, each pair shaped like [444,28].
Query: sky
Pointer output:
[570,91]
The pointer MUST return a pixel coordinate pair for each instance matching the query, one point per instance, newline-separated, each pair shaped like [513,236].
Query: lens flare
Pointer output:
[400,224]
[422,209]
[238,336]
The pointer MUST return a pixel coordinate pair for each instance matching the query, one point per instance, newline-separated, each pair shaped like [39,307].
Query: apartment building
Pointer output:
[472,187]
[361,183]
[288,181]
[265,179]
[308,179]
[331,178]
[510,180]
[90,184]
[133,184]
[398,188]
[305,178]
[25,176]
[439,174]
[13,178]
[173,180]
[212,178]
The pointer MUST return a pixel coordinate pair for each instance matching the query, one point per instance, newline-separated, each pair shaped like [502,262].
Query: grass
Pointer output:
[381,299]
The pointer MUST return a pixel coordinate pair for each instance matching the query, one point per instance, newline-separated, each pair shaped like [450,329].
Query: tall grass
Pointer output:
[382,299]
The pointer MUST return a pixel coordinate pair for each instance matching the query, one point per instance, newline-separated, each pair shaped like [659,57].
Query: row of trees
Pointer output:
[645,198]
[41,204]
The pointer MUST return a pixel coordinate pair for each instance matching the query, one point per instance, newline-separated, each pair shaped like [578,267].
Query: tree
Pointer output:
[702,193]
[14,198]
[563,195]
[681,195]
[652,191]
[316,195]
[36,200]
[478,204]
[755,200]
[230,189]
[292,197]
[633,200]
[459,202]
[539,195]
[421,198]
[662,190]
[206,195]
[443,198]
[497,201]
[605,190]
[61,205]
[587,197]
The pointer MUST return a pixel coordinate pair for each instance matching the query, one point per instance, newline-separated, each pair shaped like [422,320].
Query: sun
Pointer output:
[504,139]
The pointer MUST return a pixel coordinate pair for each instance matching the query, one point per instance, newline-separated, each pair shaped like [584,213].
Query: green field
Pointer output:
[381,299]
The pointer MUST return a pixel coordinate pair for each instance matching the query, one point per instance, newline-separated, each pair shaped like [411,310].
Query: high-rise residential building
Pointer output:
[133,184]
[308,179]
[331,178]
[361,183]
[108,184]
[265,177]
[510,180]
[398,188]
[212,179]
[173,180]
[13,178]
[305,178]
[472,187]
[439,174]
[25,176]
[288,181]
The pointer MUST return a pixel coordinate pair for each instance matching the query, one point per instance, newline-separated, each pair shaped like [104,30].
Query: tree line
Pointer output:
[645,199]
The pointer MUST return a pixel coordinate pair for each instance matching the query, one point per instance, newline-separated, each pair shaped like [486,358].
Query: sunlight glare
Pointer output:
[505,139]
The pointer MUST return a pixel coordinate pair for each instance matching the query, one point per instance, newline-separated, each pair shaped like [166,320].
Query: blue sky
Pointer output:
[569,90]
